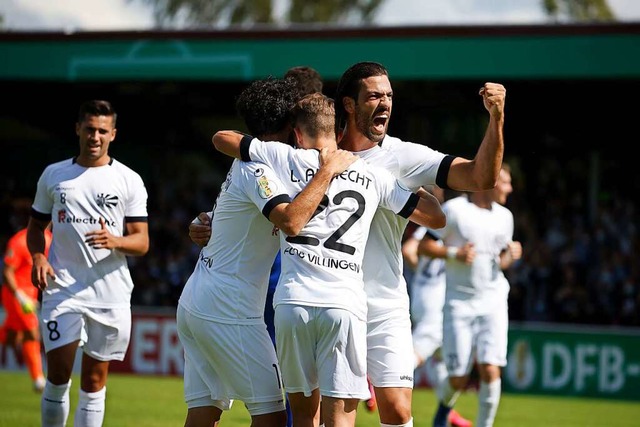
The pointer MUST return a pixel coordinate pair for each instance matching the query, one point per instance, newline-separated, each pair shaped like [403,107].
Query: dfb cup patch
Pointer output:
[266,188]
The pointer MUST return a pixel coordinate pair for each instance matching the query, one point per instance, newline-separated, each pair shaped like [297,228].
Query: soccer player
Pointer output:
[364,100]
[307,81]
[320,304]
[228,352]
[20,301]
[98,207]
[477,245]
[427,289]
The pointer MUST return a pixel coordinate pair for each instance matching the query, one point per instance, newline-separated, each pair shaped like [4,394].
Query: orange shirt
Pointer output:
[18,256]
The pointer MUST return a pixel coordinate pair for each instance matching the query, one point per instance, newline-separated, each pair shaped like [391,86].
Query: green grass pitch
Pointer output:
[149,401]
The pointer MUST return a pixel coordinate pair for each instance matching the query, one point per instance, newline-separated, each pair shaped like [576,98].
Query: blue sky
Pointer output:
[73,15]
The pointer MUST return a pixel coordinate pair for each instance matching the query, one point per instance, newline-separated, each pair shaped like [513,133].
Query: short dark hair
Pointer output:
[349,85]
[315,113]
[265,104]
[308,79]
[96,107]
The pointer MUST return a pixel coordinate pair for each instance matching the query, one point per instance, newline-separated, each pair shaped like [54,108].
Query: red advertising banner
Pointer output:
[154,348]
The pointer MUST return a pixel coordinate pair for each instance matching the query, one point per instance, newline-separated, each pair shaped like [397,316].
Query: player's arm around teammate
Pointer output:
[200,229]
[234,144]
[291,217]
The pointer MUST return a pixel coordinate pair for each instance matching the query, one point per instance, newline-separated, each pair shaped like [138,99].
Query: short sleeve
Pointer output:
[137,201]
[272,153]
[43,200]
[419,165]
[263,186]
[393,195]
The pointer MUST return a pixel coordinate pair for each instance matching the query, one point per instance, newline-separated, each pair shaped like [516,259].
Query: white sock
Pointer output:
[54,404]
[436,373]
[90,410]
[447,394]
[407,424]
[488,399]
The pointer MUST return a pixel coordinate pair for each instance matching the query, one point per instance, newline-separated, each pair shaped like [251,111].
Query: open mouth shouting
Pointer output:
[380,120]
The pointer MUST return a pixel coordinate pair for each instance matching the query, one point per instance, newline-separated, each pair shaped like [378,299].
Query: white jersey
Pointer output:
[229,282]
[74,198]
[428,284]
[427,300]
[322,266]
[482,283]
[414,165]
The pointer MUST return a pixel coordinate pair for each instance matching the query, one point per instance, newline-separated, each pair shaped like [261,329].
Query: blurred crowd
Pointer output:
[580,246]
[581,241]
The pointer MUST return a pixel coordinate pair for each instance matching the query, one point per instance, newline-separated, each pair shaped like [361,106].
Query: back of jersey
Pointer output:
[322,266]
[229,281]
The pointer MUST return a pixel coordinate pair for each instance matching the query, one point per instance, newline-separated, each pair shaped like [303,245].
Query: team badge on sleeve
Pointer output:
[266,188]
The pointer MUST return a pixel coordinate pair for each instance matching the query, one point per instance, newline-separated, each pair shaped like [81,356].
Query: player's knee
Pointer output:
[458,383]
[268,414]
[58,376]
[395,411]
[93,381]
[202,413]
[489,373]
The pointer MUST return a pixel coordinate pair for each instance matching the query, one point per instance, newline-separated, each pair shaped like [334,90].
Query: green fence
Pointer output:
[573,361]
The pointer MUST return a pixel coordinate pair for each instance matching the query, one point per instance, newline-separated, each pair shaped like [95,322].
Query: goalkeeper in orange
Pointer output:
[20,300]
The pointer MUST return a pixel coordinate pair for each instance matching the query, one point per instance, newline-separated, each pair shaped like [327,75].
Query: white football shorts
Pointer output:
[323,348]
[390,355]
[227,361]
[474,338]
[104,333]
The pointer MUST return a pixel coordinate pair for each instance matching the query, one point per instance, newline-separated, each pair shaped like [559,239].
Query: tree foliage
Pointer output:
[338,11]
[249,12]
[579,10]
[204,13]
